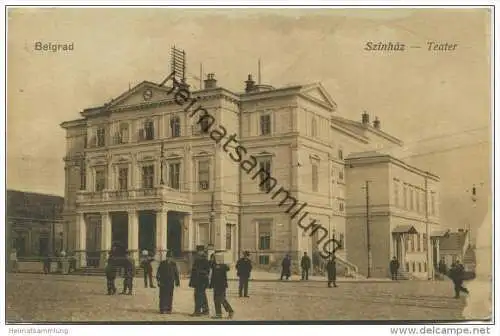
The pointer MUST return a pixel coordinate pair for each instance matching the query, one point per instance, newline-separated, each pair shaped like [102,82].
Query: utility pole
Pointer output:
[53,229]
[368,243]
[430,262]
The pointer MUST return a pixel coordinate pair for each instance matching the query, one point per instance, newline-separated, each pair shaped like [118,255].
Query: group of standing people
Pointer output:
[305,265]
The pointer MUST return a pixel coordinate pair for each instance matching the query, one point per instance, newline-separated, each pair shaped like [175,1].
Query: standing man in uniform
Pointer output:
[286,264]
[167,277]
[243,270]
[331,269]
[394,268]
[110,276]
[128,275]
[148,269]
[457,275]
[218,282]
[305,264]
[200,281]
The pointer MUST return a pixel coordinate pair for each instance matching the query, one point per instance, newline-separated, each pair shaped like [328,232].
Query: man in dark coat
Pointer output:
[457,274]
[243,270]
[285,267]
[110,276]
[167,277]
[305,264]
[394,268]
[46,263]
[331,269]
[199,281]
[128,276]
[218,281]
[146,261]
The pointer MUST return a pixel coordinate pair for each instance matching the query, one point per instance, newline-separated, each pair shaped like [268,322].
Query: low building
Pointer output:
[34,223]
[392,210]
[455,245]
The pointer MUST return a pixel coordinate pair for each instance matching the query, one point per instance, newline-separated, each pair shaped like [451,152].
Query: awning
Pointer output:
[405,229]
[440,233]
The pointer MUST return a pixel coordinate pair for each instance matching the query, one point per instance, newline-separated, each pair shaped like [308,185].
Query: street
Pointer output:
[38,297]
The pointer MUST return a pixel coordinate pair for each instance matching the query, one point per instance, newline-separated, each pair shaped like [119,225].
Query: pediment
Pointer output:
[143,93]
[316,92]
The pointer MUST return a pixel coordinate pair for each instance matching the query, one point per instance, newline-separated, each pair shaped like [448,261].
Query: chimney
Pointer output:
[376,123]
[365,118]
[250,84]
[210,82]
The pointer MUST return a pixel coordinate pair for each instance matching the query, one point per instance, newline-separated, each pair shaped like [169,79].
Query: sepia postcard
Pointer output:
[244,165]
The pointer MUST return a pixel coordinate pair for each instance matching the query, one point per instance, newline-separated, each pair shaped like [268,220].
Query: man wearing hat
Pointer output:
[243,270]
[167,277]
[146,261]
[218,282]
[199,281]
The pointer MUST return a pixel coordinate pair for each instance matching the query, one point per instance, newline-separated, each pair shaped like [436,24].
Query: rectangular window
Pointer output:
[101,137]
[204,174]
[413,268]
[341,241]
[174,177]
[417,200]
[419,267]
[123,138]
[425,241]
[314,177]
[203,234]
[405,197]
[148,173]
[396,194]
[264,235]
[264,260]
[83,176]
[265,175]
[407,265]
[123,178]
[411,199]
[412,243]
[229,237]
[341,206]
[100,180]
[149,130]
[341,175]
[175,127]
[265,124]
[425,266]
[418,243]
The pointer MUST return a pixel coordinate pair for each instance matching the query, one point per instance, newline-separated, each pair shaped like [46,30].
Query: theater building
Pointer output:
[142,171]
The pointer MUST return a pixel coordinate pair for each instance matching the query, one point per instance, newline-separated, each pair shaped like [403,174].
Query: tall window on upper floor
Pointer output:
[124,133]
[175,127]
[149,130]
[417,200]
[265,124]
[341,154]
[405,197]
[148,176]
[411,198]
[123,178]
[205,125]
[314,127]
[83,176]
[314,173]
[265,165]
[204,175]
[100,179]
[396,193]
[101,137]
[341,174]
[174,175]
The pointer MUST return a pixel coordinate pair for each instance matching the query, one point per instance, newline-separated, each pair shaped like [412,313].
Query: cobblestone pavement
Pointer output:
[37,298]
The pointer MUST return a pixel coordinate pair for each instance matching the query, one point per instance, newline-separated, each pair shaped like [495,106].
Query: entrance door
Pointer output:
[174,234]
[147,231]
[119,230]
[43,244]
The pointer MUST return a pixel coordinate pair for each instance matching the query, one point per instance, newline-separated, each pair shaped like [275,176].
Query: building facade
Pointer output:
[392,212]
[34,224]
[141,170]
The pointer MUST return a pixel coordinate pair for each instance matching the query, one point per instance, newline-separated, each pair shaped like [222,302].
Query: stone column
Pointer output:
[402,237]
[161,234]
[105,237]
[133,235]
[81,240]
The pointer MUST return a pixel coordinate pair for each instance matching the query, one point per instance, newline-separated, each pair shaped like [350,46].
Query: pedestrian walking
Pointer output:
[167,277]
[146,261]
[46,263]
[128,276]
[286,264]
[331,269]
[110,277]
[13,261]
[305,264]
[394,268]
[218,282]
[200,281]
[457,275]
[243,270]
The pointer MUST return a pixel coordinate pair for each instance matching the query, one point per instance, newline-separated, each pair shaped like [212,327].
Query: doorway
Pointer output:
[147,231]
[43,244]
[174,233]
[119,230]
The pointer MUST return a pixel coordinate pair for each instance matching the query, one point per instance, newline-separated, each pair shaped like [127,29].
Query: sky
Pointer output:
[438,103]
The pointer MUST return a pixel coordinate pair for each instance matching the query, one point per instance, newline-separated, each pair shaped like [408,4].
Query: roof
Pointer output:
[22,204]
[439,233]
[361,128]
[405,229]
[453,241]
